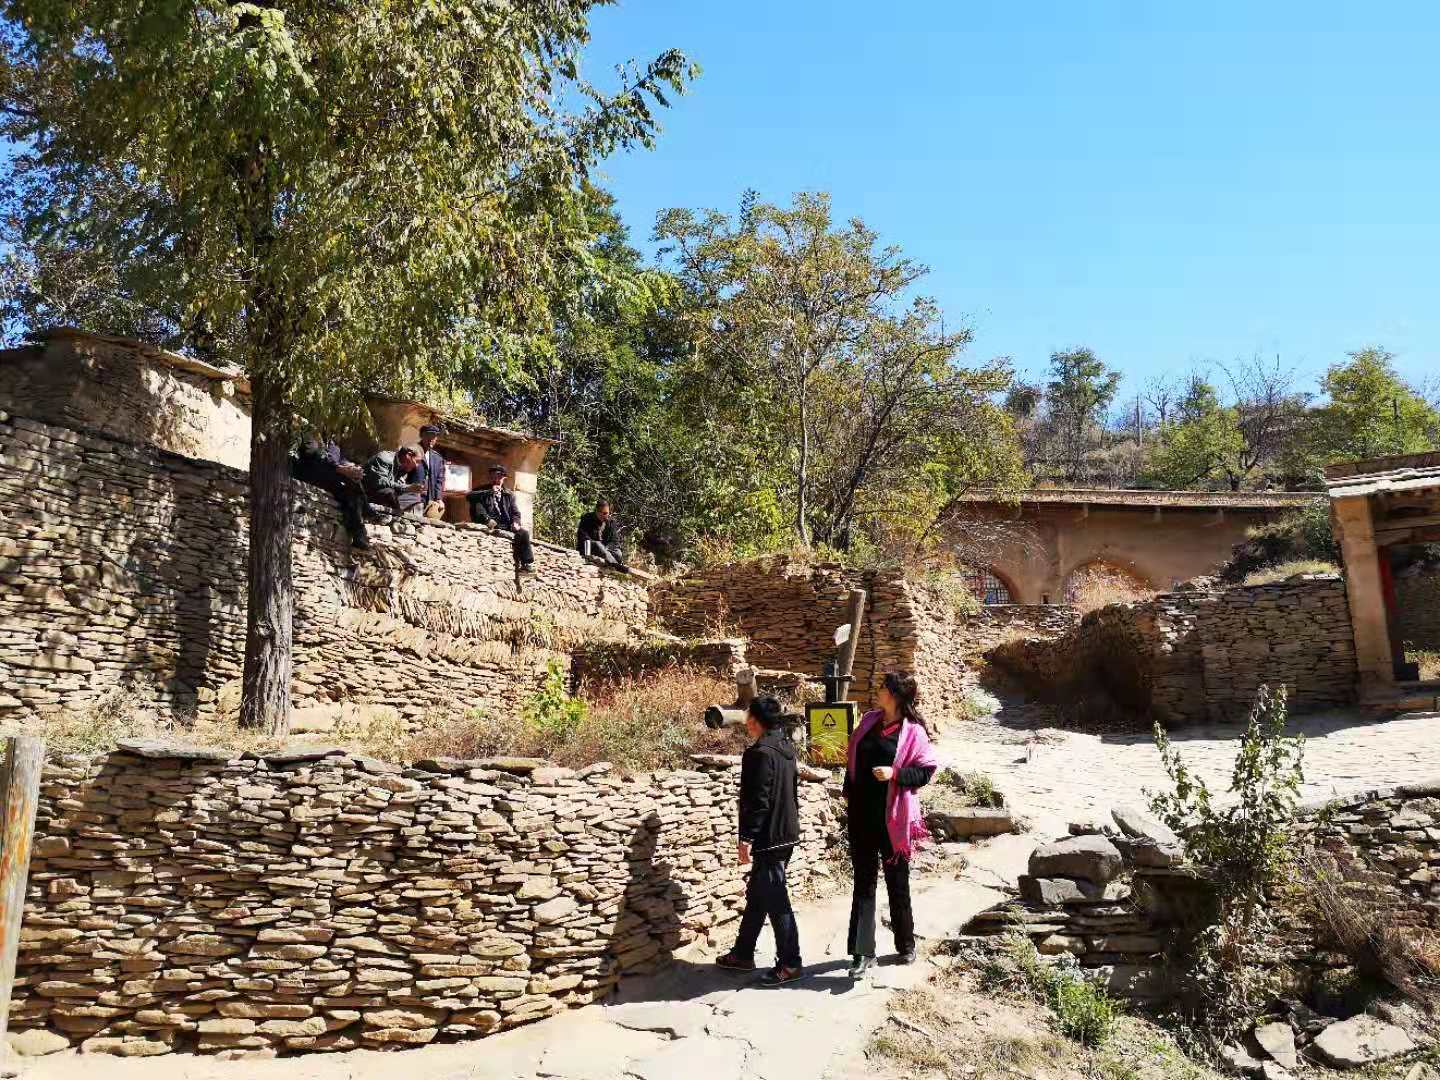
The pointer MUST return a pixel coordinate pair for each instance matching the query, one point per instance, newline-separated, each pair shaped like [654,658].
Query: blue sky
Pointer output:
[1170,184]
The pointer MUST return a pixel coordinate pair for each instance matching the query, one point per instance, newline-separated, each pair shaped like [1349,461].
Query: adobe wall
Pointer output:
[106,384]
[1189,657]
[788,610]
[124,564]
[186,899]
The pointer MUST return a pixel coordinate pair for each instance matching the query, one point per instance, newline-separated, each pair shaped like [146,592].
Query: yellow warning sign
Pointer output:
[830,724]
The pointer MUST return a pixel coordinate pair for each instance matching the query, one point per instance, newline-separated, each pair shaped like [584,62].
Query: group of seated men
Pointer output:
[410,481]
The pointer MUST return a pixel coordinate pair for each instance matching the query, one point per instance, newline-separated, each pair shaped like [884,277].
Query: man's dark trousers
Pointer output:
[766,896]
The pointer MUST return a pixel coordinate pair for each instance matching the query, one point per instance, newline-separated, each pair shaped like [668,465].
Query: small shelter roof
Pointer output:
[1139,498]
[1375,476]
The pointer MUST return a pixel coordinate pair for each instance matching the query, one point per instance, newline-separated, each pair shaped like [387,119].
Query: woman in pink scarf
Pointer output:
[890,758]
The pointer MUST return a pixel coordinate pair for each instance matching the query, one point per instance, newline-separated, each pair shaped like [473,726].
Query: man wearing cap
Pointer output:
[389,480]
[432,472]
[495,506]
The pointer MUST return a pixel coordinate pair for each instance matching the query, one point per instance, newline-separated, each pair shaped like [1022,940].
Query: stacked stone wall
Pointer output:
[788,611]
[1188,657]
[184,898]
[1417,610]
[125,566]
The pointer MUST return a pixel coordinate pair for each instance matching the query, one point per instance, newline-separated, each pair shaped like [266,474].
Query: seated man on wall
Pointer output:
[494,505]
[322,465]
[598,538]
[389,480]
[432,473]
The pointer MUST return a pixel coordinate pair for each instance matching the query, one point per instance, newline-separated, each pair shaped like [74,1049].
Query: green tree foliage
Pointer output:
[1371,412]
[1080,389]
[815,351]
[345,194]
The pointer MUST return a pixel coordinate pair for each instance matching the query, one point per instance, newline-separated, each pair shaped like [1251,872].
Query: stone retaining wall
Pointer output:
[125,565]
[1189,657]
[319,901]
[788,610]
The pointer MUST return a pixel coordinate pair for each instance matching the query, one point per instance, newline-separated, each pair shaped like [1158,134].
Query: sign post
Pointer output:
[20,767]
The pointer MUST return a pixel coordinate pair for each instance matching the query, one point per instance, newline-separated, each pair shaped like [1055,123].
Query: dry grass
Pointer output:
[638,724]
[1362,927]
[1096,587]
[1270,575]
[1427,659]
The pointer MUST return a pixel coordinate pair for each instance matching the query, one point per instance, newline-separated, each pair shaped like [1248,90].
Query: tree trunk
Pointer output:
[802,485]
[271,608]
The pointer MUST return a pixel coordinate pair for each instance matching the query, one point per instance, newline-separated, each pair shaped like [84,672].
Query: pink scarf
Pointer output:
[903,819]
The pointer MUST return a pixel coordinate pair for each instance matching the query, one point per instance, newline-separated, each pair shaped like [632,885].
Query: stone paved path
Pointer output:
[1054,777]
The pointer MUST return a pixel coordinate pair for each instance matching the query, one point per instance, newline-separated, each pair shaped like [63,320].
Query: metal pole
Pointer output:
[24,759]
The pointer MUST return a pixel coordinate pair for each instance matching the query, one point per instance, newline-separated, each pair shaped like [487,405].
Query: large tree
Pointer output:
[1080,390]
[1370,412]
[811,333]
[344,193]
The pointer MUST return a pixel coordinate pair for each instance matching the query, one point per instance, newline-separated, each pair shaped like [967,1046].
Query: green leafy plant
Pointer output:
[551,712]
[1083,1011]
[1244,847]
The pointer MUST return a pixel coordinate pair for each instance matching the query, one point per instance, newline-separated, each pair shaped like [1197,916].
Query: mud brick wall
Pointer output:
[122,564]
[180,898]
[1188,657]
[788,610]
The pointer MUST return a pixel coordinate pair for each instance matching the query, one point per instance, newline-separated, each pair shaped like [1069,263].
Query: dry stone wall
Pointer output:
[1189,657]
[788,610]
[185,898]
[124,565]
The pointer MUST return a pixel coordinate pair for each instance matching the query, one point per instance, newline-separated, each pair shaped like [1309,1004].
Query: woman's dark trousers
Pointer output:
[870,853]
[766,896]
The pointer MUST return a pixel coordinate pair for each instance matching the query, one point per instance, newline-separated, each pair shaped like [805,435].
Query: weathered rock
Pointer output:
[1138,824]
[1141,851]
[1278,1040]
[971,821]
[1056,891]
[1093,858]
[1360,1041]
[37,1042]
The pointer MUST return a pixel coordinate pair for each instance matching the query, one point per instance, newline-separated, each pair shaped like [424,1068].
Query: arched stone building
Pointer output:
[1037,546]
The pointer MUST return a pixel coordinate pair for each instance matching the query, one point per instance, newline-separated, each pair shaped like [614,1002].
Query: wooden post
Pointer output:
[855,613]
[24,757]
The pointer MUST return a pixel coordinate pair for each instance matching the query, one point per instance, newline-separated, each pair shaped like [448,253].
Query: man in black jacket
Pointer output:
[495,506]
[596,537]
[769,831]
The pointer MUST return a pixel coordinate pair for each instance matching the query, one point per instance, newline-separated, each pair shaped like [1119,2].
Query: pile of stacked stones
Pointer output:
[152,595]
[312,900]
[1087,895]
[1201,653]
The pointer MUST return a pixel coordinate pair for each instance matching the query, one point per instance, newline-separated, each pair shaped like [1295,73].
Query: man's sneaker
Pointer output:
[731,962]
[779,976]
[907,956]
[859,965]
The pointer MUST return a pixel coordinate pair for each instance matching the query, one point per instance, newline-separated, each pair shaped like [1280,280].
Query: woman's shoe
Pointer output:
[907,956]
[731,962]
[859,965]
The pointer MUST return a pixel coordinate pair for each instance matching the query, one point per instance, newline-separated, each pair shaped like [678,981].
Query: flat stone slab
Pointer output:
[582,1051]
[1361,1041]
[1278,1040]
[174,751]
[706,1058]
[972,821]
[1093,858]
[678,1019]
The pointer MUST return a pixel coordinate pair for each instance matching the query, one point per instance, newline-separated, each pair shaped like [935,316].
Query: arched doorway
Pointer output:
[1098,583]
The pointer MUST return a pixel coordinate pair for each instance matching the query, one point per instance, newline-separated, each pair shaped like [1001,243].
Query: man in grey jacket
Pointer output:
[387,480]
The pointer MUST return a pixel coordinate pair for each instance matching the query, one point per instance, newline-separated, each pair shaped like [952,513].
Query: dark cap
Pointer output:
[429,429]
[499,469]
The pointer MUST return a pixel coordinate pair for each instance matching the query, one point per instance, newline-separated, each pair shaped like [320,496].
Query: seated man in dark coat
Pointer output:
[322,465]
[598,538]
[391,480]
[495,506]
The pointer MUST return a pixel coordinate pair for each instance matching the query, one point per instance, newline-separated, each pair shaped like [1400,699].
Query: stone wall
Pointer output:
[183,898]
[132,391]
[124,565]
[1417,610]
[788,610]
[1188,657]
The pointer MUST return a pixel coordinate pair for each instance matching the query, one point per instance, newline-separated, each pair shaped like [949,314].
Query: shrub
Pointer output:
[551,712]
[978,703]
[1245,849]
[1096,587]
[1083,1011]
[1303,534]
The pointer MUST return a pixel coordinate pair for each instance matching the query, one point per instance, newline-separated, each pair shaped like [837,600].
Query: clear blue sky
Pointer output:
[1166,183]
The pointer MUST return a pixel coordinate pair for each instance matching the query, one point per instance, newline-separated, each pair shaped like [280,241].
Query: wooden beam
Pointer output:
[24,759]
